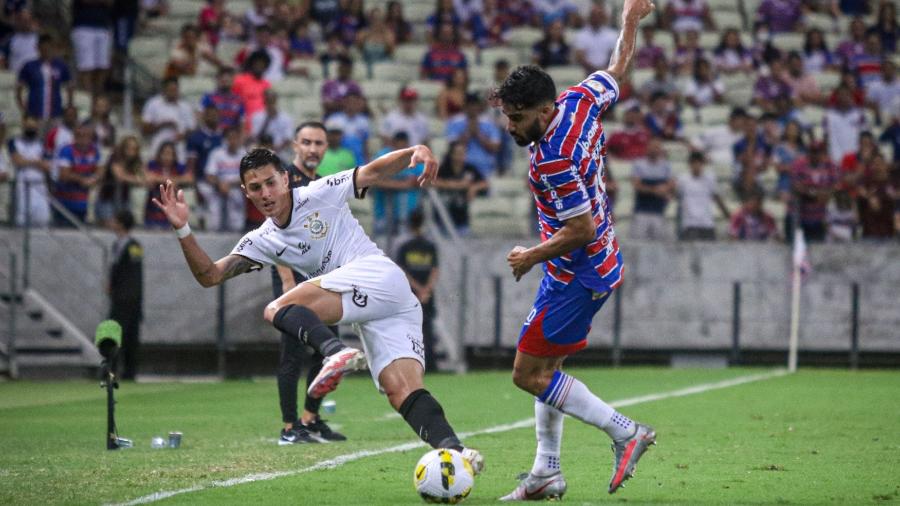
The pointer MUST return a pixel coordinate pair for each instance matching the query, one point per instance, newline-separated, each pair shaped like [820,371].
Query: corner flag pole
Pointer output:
[798,265]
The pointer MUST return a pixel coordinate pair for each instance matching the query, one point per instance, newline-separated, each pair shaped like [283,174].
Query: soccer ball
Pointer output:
[443,476]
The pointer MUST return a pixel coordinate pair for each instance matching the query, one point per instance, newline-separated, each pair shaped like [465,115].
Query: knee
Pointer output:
[270,311]
[397,394]
[532,381]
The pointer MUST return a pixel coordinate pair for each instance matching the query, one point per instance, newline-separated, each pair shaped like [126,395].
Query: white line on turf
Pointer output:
[521,424]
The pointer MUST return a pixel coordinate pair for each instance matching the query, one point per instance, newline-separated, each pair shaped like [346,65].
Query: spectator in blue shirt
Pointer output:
[480,135]
[202,141]
[44,98]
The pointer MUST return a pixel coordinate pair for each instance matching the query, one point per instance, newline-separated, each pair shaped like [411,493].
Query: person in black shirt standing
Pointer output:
[418,258]
[309,147]
[126,289]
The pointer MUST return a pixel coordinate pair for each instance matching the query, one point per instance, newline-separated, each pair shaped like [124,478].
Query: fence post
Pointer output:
[736,323]
[220,332]
[617,327]
[26,242]
[854,326]
[13,298]
[463,304]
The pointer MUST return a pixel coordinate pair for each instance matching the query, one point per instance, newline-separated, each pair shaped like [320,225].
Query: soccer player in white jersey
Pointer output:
[349,280]
[579,254]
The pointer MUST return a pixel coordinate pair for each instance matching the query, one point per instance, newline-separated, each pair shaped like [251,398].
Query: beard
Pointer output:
[532,134]
[311,163]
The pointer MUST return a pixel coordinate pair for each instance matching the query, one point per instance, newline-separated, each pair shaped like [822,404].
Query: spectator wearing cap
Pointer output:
[45,79]
[92,42]
[229,105]
[697,191]
[629,143]
[167,117]
[275,123]
[595,42]
[337,157]
[813,180]
[406,118]
[479,134]
[251,85]
[335,90]
[355,124]
[444,55]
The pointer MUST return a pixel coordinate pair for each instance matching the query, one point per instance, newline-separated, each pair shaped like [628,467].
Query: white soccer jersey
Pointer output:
[321,235]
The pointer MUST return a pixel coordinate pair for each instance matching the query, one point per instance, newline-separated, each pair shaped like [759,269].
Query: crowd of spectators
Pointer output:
[825,150]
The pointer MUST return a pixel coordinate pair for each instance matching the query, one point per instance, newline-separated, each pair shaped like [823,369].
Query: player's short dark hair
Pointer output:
[416,218]
[526,87]
[45,38]
[259,157]
[696,156]
[310,124]
[169,80]
[125,218]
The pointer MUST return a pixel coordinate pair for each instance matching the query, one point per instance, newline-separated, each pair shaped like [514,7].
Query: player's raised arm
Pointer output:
[391,163]
[205,271]
[632,13]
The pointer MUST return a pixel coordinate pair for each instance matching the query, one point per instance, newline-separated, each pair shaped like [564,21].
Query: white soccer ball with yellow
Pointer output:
[443,476]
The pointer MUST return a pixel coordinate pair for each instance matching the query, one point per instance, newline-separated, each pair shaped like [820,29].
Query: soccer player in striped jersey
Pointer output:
[579,252]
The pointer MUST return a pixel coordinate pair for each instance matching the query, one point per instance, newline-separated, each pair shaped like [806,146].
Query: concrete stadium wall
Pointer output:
[675,296]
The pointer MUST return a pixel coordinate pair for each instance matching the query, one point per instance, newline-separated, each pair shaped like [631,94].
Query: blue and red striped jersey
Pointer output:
[567,179]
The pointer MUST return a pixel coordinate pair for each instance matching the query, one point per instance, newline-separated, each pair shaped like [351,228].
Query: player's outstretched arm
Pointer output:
[632,13]
[205,271]
[391,163]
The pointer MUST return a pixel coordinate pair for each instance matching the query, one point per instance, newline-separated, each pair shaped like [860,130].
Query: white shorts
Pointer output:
[92,48]
[378,302]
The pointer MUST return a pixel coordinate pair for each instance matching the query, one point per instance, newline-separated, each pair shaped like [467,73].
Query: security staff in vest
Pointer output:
[126,289]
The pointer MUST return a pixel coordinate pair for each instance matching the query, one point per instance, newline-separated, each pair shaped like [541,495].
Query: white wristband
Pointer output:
[183,232]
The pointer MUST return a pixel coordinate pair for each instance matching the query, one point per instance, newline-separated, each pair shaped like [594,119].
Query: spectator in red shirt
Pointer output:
[211,20]
[629,143]
[444,55]
[856,165]
[875,201]
[751,222]
[251,86]
[814,178]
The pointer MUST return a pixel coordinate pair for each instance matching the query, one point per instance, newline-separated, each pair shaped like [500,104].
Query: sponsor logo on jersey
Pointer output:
[301,204]
[595,85]
[337,180]
[417,346]
[531,316]
[360,299]
[304,247]
[244,243]
[317,228]
[279,253]
[325,261]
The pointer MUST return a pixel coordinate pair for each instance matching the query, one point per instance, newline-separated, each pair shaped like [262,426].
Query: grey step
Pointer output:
[53,360]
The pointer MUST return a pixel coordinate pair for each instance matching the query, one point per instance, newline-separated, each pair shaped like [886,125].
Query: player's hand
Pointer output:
[519,262]
[171,202]
[424,155]
[636,10]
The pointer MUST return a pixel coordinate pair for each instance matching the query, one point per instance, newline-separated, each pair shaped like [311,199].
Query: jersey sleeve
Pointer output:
[339,187]
[602,87]
[564,188]
[251,247]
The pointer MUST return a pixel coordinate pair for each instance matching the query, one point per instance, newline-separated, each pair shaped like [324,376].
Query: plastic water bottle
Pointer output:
[158,442]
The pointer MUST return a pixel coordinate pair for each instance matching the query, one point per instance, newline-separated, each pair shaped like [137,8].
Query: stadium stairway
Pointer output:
[47,344]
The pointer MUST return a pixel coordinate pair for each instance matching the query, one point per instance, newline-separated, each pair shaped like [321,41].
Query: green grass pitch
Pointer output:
[815,437]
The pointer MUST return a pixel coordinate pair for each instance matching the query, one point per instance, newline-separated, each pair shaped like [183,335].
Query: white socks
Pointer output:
[572,397]
[548,426]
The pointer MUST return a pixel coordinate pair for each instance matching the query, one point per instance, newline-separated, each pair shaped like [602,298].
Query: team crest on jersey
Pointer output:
[595,85]
[317,228]
[359,298]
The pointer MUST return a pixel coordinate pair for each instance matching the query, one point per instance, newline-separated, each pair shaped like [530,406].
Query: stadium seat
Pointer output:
[416,13]
[524,37]
[740,96]
[293,87]
[143,47]
[428,90]
[398,72]
[493,54]
[709,40]
[7,80]
[187,10]
[715,114]
[375,89]
[438,143]
[196,85]
[411,54]
[827,81]
[676,151]
[506,186]
[792,41]
[641,76]
[566,75]
[304,108]
[727,19]
[227,50]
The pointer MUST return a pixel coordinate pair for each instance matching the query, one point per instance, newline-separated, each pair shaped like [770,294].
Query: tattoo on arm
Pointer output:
[236,265]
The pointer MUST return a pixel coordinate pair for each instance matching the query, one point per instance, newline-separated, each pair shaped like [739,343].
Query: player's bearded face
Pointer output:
[524,124]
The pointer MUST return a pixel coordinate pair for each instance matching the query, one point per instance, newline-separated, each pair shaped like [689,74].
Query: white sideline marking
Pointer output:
[521,424]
